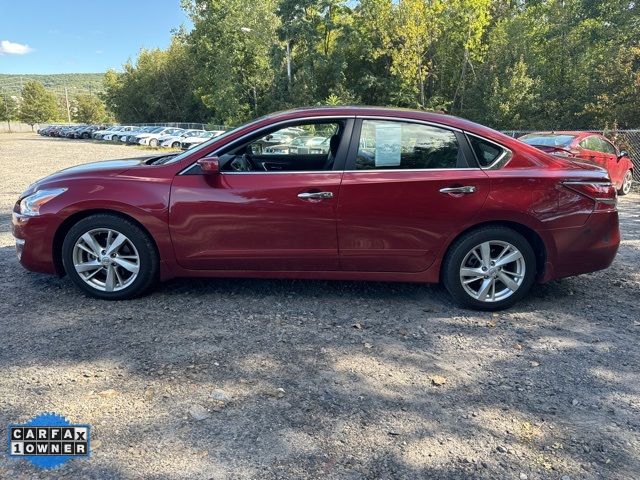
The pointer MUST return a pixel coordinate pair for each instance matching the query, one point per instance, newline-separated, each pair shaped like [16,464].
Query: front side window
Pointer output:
[606,147]
[304,147]
[590,143]
[393,145]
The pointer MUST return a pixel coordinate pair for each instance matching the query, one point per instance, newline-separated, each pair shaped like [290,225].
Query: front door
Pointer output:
[265,211]
[406,188]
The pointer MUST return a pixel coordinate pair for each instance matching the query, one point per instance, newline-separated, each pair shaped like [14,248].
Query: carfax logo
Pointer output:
[49,440]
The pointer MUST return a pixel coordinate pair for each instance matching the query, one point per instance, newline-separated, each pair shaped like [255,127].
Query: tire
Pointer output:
[490,293]
[85,135]
[153,142]
[138,264]
[175,145]
[627,181]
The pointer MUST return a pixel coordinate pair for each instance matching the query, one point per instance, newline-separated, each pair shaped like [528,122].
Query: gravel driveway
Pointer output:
[266,379]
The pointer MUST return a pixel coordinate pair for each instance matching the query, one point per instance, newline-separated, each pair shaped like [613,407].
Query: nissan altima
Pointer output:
[399,195]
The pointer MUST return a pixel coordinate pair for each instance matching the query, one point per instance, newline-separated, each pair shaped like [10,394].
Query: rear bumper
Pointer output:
[591,247]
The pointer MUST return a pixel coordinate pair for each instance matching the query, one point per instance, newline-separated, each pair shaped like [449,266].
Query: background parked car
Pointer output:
[99,134]
[203,136]
[151,138]
[590,148]
[174,141]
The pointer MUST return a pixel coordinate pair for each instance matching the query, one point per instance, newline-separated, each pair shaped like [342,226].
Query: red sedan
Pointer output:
[400,195]
[588,147]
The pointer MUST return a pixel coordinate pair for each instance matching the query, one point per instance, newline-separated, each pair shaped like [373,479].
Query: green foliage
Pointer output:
[159,87]
[509,64]
[38,105]
[89,109]
[8,109]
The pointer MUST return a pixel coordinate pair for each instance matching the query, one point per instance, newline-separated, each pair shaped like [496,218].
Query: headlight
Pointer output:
[30,206]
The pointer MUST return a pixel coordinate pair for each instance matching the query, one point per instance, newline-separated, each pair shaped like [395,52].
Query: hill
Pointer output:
[75,82]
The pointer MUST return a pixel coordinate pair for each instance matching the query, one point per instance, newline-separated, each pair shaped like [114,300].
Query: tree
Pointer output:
[233,42]
[38,105]
[159,87]
[8,109]
[89,109]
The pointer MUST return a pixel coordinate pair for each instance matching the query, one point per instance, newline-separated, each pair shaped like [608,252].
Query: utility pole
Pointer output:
[66,97]
[289,63]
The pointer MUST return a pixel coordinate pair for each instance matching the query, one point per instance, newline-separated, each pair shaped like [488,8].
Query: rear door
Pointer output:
[406,188]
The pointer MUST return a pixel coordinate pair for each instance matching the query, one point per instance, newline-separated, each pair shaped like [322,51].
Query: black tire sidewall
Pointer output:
[462,246]
[149,262]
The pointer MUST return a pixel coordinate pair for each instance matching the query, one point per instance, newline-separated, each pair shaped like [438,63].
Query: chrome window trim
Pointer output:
[499,162]
[384,170]
[268,127]
[410,120]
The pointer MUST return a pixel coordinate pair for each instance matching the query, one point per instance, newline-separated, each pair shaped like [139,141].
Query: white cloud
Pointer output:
[11,48]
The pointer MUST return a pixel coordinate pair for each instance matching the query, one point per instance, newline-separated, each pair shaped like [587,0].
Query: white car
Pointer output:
[152,138]
[113,135]
[166,136]
[199,138]
[101,133]
[174,141]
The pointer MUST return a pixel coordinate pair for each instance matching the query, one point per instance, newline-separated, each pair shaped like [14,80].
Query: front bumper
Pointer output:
[34,241]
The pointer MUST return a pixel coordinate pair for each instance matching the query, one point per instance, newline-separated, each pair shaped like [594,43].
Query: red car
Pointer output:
[588,147]
[400,196]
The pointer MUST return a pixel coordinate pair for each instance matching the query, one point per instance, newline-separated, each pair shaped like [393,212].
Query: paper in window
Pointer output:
[388,145]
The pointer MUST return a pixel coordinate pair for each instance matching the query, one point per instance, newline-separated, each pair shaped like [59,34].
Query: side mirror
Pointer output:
[623,153]
[210,165]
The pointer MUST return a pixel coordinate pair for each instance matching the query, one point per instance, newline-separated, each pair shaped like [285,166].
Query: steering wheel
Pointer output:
[241,164]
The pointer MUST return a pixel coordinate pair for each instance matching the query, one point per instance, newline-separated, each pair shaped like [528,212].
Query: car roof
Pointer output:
[402,113]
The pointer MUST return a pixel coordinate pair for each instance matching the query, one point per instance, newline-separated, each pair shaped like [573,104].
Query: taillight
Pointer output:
[603,193]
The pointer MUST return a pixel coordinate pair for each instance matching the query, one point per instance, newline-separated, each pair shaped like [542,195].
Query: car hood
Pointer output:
[107,168]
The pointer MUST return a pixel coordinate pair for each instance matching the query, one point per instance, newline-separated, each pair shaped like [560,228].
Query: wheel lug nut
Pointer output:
[484,269]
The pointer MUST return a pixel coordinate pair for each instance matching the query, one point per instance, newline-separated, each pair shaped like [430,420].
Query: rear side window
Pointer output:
[486,153]
[402,145]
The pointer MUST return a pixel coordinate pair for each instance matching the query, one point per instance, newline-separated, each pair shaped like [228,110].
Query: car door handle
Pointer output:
[454,190]
[315,195]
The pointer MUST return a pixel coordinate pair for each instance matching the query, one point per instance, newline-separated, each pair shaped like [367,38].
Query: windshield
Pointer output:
[548,139]
[191,151]
[157,130]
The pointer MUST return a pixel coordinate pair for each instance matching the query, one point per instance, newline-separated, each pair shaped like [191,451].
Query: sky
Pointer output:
[82,36]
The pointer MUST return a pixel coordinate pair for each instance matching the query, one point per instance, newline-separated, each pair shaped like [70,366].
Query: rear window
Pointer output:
[547,140]
[486,153]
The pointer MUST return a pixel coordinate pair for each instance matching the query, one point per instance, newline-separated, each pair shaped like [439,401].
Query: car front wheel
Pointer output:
[110,257]
[489,269]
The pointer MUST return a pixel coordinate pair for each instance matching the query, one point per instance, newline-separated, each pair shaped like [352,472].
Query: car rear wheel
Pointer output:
[110,257]
[489,269]
[627,181]
[153,142]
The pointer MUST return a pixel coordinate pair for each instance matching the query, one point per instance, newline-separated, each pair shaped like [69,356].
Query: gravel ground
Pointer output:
[312,379]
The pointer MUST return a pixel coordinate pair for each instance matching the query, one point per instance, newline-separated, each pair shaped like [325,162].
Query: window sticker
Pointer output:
[388,145]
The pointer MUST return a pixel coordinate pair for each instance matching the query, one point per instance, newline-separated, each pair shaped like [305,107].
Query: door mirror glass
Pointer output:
[209,165]
[623,153]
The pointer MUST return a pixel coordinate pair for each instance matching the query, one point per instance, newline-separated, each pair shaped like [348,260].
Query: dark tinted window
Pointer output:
[402,145]
[485,152]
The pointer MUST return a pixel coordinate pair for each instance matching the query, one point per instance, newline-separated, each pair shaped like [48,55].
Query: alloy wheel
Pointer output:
[106,259]
[626,183]
[492,271]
